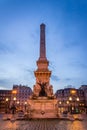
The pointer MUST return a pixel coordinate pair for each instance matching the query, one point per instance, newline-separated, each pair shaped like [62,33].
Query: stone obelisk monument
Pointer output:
[42,73]
[42,102]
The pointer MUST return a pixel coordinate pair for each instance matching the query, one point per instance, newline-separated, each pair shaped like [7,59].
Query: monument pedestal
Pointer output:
[42,107]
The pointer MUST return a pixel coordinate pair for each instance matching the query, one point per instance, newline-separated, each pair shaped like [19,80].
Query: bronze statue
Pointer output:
[42,92]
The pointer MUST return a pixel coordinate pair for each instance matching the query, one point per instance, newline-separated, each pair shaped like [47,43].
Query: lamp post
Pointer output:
[18,102]
[77,99]
[18,106]
[77,109]
[14,99]
[25,104]
[70,99]
[13,108]
[60,105]
[67,106]
[6,111]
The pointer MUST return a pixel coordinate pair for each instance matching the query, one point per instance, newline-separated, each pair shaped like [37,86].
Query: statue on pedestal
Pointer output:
[36,90]
[50,92]
[42,92]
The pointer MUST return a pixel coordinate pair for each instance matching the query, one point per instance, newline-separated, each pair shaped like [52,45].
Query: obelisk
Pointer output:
[42,73]
[42,42]
[42,102]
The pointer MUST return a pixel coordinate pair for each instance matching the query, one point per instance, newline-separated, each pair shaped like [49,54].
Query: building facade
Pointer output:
[5,98]
[71,100]
[84,89]
[20,95]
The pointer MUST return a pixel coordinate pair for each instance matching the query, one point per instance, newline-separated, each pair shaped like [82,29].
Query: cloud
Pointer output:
[69,86]
[6,48]
[79,64]
[55,78]
[71,44]
[2,87]
[68,79]
[30,72]
[51,65]
[5,83]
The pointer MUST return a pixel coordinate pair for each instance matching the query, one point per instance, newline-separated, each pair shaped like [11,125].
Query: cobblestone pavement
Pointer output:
[45,124]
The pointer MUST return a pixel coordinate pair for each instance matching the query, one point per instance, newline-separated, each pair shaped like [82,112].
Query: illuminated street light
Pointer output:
[60,102]
[13,107]
[70,98]
[25,105]
[6,111]
[6,99]
[17,102]
[14,98]
[68,105]
[60,106]
[67,102]
[18,105]
[77,108]
[77,99]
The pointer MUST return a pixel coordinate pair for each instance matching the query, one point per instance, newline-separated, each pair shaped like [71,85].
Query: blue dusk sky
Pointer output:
[66,41]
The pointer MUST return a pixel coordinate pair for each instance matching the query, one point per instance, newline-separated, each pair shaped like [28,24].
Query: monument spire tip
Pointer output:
[42,24]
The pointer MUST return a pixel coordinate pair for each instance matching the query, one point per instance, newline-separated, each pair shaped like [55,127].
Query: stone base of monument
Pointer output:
[42,107]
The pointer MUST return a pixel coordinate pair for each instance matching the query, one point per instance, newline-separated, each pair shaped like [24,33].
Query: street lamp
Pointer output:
[67,105]
[25,105]
[60,106]
[60,102]
[77,99]
[6,99]
[13,108]
[6,105]
[14,99]
[67,102]
[18,105]
[70,99]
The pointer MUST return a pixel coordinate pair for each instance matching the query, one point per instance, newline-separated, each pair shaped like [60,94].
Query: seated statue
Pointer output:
[42,92]
[36,90]
[50,92]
